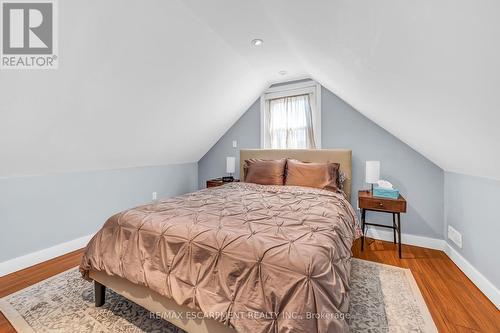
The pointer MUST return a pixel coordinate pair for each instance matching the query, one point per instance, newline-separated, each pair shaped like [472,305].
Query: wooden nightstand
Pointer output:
[218,182]
[393,206]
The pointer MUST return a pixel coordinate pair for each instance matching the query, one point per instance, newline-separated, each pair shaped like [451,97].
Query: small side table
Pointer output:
[218,182]
[367,202]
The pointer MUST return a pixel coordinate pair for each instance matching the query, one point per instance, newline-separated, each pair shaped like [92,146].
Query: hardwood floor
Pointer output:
[454,301]
[26,277]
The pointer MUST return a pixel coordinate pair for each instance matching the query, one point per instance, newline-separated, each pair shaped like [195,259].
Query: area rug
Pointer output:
[383,299]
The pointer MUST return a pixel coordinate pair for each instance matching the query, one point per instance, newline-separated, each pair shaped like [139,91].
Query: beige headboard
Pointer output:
[341,156]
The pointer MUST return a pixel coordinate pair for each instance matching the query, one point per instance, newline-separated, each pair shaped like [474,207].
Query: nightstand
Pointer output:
[367,202]
[218,182]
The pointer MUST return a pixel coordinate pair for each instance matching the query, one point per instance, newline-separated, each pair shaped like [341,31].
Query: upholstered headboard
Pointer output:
[341,156]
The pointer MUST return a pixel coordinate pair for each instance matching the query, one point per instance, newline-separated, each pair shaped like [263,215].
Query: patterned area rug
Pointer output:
[383,299]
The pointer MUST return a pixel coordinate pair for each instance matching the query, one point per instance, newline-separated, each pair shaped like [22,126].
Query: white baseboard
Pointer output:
[470,271]
[488,289]
[430,243]
[37,257]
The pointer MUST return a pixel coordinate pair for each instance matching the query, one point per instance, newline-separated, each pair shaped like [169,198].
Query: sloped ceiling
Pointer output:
[156,82]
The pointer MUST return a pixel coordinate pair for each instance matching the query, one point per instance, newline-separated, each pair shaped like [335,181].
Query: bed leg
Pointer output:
[99,294]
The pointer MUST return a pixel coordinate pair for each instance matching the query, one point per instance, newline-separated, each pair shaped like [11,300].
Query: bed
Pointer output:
[239,257]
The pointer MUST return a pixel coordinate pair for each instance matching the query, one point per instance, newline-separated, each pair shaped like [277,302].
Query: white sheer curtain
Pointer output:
[290,123]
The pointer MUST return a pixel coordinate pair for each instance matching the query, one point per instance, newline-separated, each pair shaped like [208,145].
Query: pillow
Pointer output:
[265,172]
[318,175]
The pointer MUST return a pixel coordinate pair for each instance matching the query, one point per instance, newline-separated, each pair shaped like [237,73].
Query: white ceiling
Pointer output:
[155,82]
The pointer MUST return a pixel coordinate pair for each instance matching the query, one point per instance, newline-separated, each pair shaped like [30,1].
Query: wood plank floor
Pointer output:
[454,301]
[26,277]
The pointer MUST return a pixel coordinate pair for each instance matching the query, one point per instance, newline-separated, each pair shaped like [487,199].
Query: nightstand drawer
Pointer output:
[218,182]
[214,183]
[382,204]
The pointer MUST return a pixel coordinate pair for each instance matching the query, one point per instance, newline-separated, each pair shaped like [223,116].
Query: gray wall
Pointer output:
[246,131]
[418,179]
[37,212]
[469,208]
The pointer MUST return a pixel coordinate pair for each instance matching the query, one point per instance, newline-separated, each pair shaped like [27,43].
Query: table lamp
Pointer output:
[372,172]
[230,168]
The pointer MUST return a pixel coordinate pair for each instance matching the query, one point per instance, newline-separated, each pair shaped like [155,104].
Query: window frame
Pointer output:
[287,90]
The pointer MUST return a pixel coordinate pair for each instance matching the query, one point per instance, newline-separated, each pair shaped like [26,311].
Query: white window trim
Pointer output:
[308,87]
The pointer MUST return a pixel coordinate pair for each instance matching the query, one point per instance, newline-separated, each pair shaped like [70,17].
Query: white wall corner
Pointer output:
[16,264]
[488,288]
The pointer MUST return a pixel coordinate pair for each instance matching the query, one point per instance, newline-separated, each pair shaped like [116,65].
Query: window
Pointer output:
[290,116]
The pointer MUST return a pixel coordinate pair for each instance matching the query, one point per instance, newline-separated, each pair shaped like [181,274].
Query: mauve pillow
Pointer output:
[265,172]
[318,175]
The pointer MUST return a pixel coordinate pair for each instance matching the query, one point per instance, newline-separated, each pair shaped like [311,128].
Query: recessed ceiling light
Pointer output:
[282,72]
[257,42]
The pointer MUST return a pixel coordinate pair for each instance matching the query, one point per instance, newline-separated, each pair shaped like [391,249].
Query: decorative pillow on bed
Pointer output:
[319,175]
[265,172]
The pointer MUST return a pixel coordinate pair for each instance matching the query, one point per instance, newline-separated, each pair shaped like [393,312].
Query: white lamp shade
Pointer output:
[372,171]
[230,164]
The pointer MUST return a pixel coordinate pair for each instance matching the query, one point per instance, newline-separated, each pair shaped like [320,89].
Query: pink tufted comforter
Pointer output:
[259,258]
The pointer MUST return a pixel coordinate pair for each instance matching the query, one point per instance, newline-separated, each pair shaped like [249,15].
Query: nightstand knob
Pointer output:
[380,204]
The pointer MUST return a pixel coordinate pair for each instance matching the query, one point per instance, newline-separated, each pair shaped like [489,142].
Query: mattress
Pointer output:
[257,258]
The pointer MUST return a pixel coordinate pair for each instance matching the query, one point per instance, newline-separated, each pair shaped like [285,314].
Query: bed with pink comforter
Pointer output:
[258,258]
